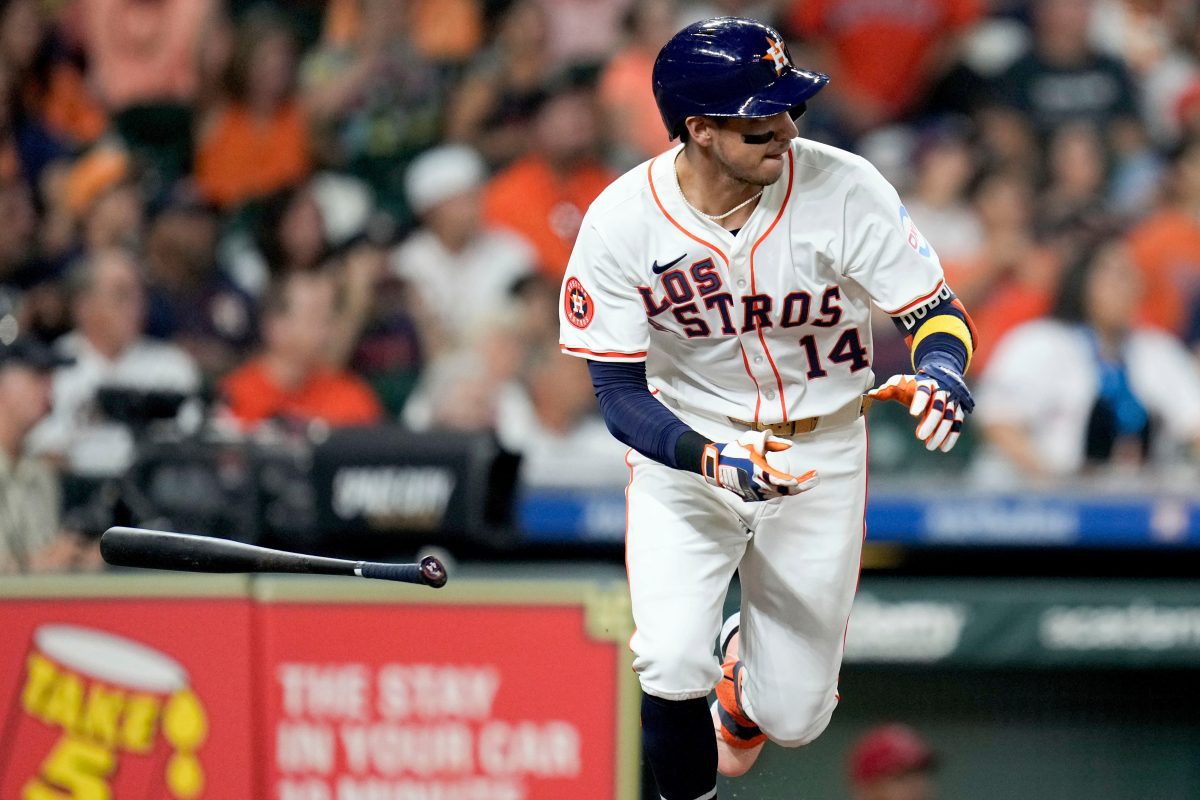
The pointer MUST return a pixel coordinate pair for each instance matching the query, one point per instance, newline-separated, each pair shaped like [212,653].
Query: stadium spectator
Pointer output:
[375,101]
[634,127]
[460,389]
[492,107]
[1089,386]
[883,55]
[289,232]
[1150,38]
[142,61]
[459,270]
[1012,277]
[892,762]
[191,301]
[543,196]
[52,90]
[257,141]
[457,392]
[27,142]
[358,270]
[548,416]
[1062,79]
[1008,142]
[388,352]
[1166,249]
[108,305]
[536,304]
[31,539]
[1074,195]
[144,53]
[939,203]
[291,379]
[295,231]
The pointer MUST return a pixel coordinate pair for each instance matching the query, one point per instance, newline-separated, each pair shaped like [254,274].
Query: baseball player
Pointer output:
[721,293]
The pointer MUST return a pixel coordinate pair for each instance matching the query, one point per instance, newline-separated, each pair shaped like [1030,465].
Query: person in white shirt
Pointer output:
[460,271]
[548,415]
[108,305]
[1088,386]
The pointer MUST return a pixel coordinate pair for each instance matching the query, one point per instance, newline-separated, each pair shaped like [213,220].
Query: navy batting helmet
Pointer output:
[728,67]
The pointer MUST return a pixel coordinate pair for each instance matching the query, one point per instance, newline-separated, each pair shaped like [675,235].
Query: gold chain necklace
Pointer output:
[713,217]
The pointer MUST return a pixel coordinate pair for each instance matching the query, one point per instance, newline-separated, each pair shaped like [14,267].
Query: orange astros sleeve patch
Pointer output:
[578,304]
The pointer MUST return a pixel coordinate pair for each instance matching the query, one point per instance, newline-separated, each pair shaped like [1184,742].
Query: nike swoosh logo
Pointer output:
[659,269]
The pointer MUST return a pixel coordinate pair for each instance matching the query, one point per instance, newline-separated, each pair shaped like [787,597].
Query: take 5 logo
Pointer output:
[695,297]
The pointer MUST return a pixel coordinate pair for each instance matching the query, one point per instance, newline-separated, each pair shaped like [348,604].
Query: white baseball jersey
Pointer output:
[770,325]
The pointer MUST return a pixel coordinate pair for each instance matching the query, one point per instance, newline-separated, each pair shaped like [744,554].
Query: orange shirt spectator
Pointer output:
[883,52]
[543,196]
[1166,248]
[243,157]
[43,79]
[258,142]
[338,398]
[543,206]
[293,376]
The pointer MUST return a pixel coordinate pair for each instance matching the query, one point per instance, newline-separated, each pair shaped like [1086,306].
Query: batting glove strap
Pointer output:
[730,473]
[951,382]
[742,467]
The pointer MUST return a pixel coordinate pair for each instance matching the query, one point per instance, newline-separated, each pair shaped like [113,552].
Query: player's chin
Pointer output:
[771,168]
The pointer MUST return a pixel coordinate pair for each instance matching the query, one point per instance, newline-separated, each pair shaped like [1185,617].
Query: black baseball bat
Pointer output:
[187,552]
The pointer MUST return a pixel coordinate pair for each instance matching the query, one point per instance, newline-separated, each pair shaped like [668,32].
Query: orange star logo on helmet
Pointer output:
[776,55]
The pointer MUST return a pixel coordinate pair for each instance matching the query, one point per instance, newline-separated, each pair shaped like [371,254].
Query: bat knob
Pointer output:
[433,572]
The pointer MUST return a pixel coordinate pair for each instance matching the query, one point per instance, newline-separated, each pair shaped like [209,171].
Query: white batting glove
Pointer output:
[940,401]
[754,468]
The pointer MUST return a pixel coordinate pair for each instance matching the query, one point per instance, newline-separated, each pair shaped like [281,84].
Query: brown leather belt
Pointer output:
[799,426]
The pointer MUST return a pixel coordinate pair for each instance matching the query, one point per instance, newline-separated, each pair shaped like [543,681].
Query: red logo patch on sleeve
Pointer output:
[578,304]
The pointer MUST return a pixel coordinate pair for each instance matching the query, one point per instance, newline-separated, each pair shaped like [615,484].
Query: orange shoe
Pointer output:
[738,730]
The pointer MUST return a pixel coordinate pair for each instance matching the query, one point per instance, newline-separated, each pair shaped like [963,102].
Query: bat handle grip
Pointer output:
[429,572]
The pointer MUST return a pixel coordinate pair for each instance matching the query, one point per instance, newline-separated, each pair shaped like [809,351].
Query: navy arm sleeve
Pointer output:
[635,418]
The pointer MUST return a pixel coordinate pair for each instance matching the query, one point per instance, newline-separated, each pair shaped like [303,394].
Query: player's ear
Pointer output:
[700,130]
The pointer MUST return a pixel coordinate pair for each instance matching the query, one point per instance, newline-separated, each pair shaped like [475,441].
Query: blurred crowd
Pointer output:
[359,211]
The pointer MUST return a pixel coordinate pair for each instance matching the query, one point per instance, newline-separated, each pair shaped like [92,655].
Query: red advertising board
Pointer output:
[468,702]
[114,688]
[125,698]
